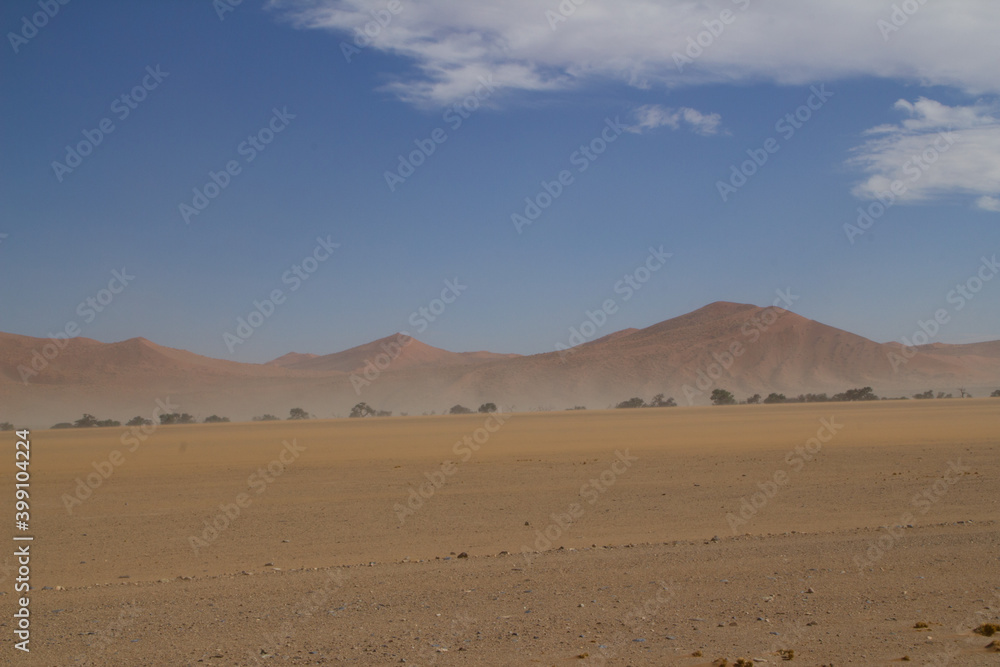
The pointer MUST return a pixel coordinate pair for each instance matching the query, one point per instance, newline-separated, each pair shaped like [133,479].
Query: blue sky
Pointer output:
[557,85]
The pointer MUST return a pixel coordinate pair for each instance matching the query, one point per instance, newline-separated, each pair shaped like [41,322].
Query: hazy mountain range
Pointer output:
[743,348]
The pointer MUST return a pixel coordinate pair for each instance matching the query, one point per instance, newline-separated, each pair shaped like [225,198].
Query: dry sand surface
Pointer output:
[644,555]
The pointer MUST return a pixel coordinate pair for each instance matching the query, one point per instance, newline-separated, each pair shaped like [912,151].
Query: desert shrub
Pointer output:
[216,419]
[459,410]
[176,418]
[264,418]
[861,394]
[487,408]
[987,629]
[635,402]
[362,410]
[86,421]
[722,397]
[660,402]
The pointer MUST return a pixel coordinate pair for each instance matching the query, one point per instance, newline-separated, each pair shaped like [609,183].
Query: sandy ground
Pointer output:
[629,537]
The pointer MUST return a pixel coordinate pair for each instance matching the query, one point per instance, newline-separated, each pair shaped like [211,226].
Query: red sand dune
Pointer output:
[776,350]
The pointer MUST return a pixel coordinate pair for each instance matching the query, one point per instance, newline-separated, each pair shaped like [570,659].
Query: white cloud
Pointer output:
[938,152]
[453,42]
[989,204]
[652,116]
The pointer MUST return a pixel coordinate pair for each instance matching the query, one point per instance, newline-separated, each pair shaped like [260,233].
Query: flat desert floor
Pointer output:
[676,536]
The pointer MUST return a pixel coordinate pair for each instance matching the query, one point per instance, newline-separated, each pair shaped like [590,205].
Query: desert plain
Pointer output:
[823,533]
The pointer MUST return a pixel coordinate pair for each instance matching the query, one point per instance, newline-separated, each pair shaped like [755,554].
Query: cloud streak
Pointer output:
[652,116]
[938,152]
[450,43]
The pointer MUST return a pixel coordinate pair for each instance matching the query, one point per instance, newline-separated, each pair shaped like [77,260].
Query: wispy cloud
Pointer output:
[453,42]
[652,116]
[938,152]
[989,204]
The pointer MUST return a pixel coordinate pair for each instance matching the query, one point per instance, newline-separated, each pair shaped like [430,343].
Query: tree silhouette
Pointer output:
[176,418]
[487,408]
[722,397]
[86,421]
[298,413]
[362,410]
[659,402]
[862,394]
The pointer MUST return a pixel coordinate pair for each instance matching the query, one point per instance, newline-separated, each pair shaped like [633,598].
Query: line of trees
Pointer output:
[724,397]
[364,410]
[718,397]
[657,401]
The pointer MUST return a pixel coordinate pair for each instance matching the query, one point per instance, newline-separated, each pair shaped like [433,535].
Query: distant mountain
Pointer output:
[403,351]
[743,348]
[291,359]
